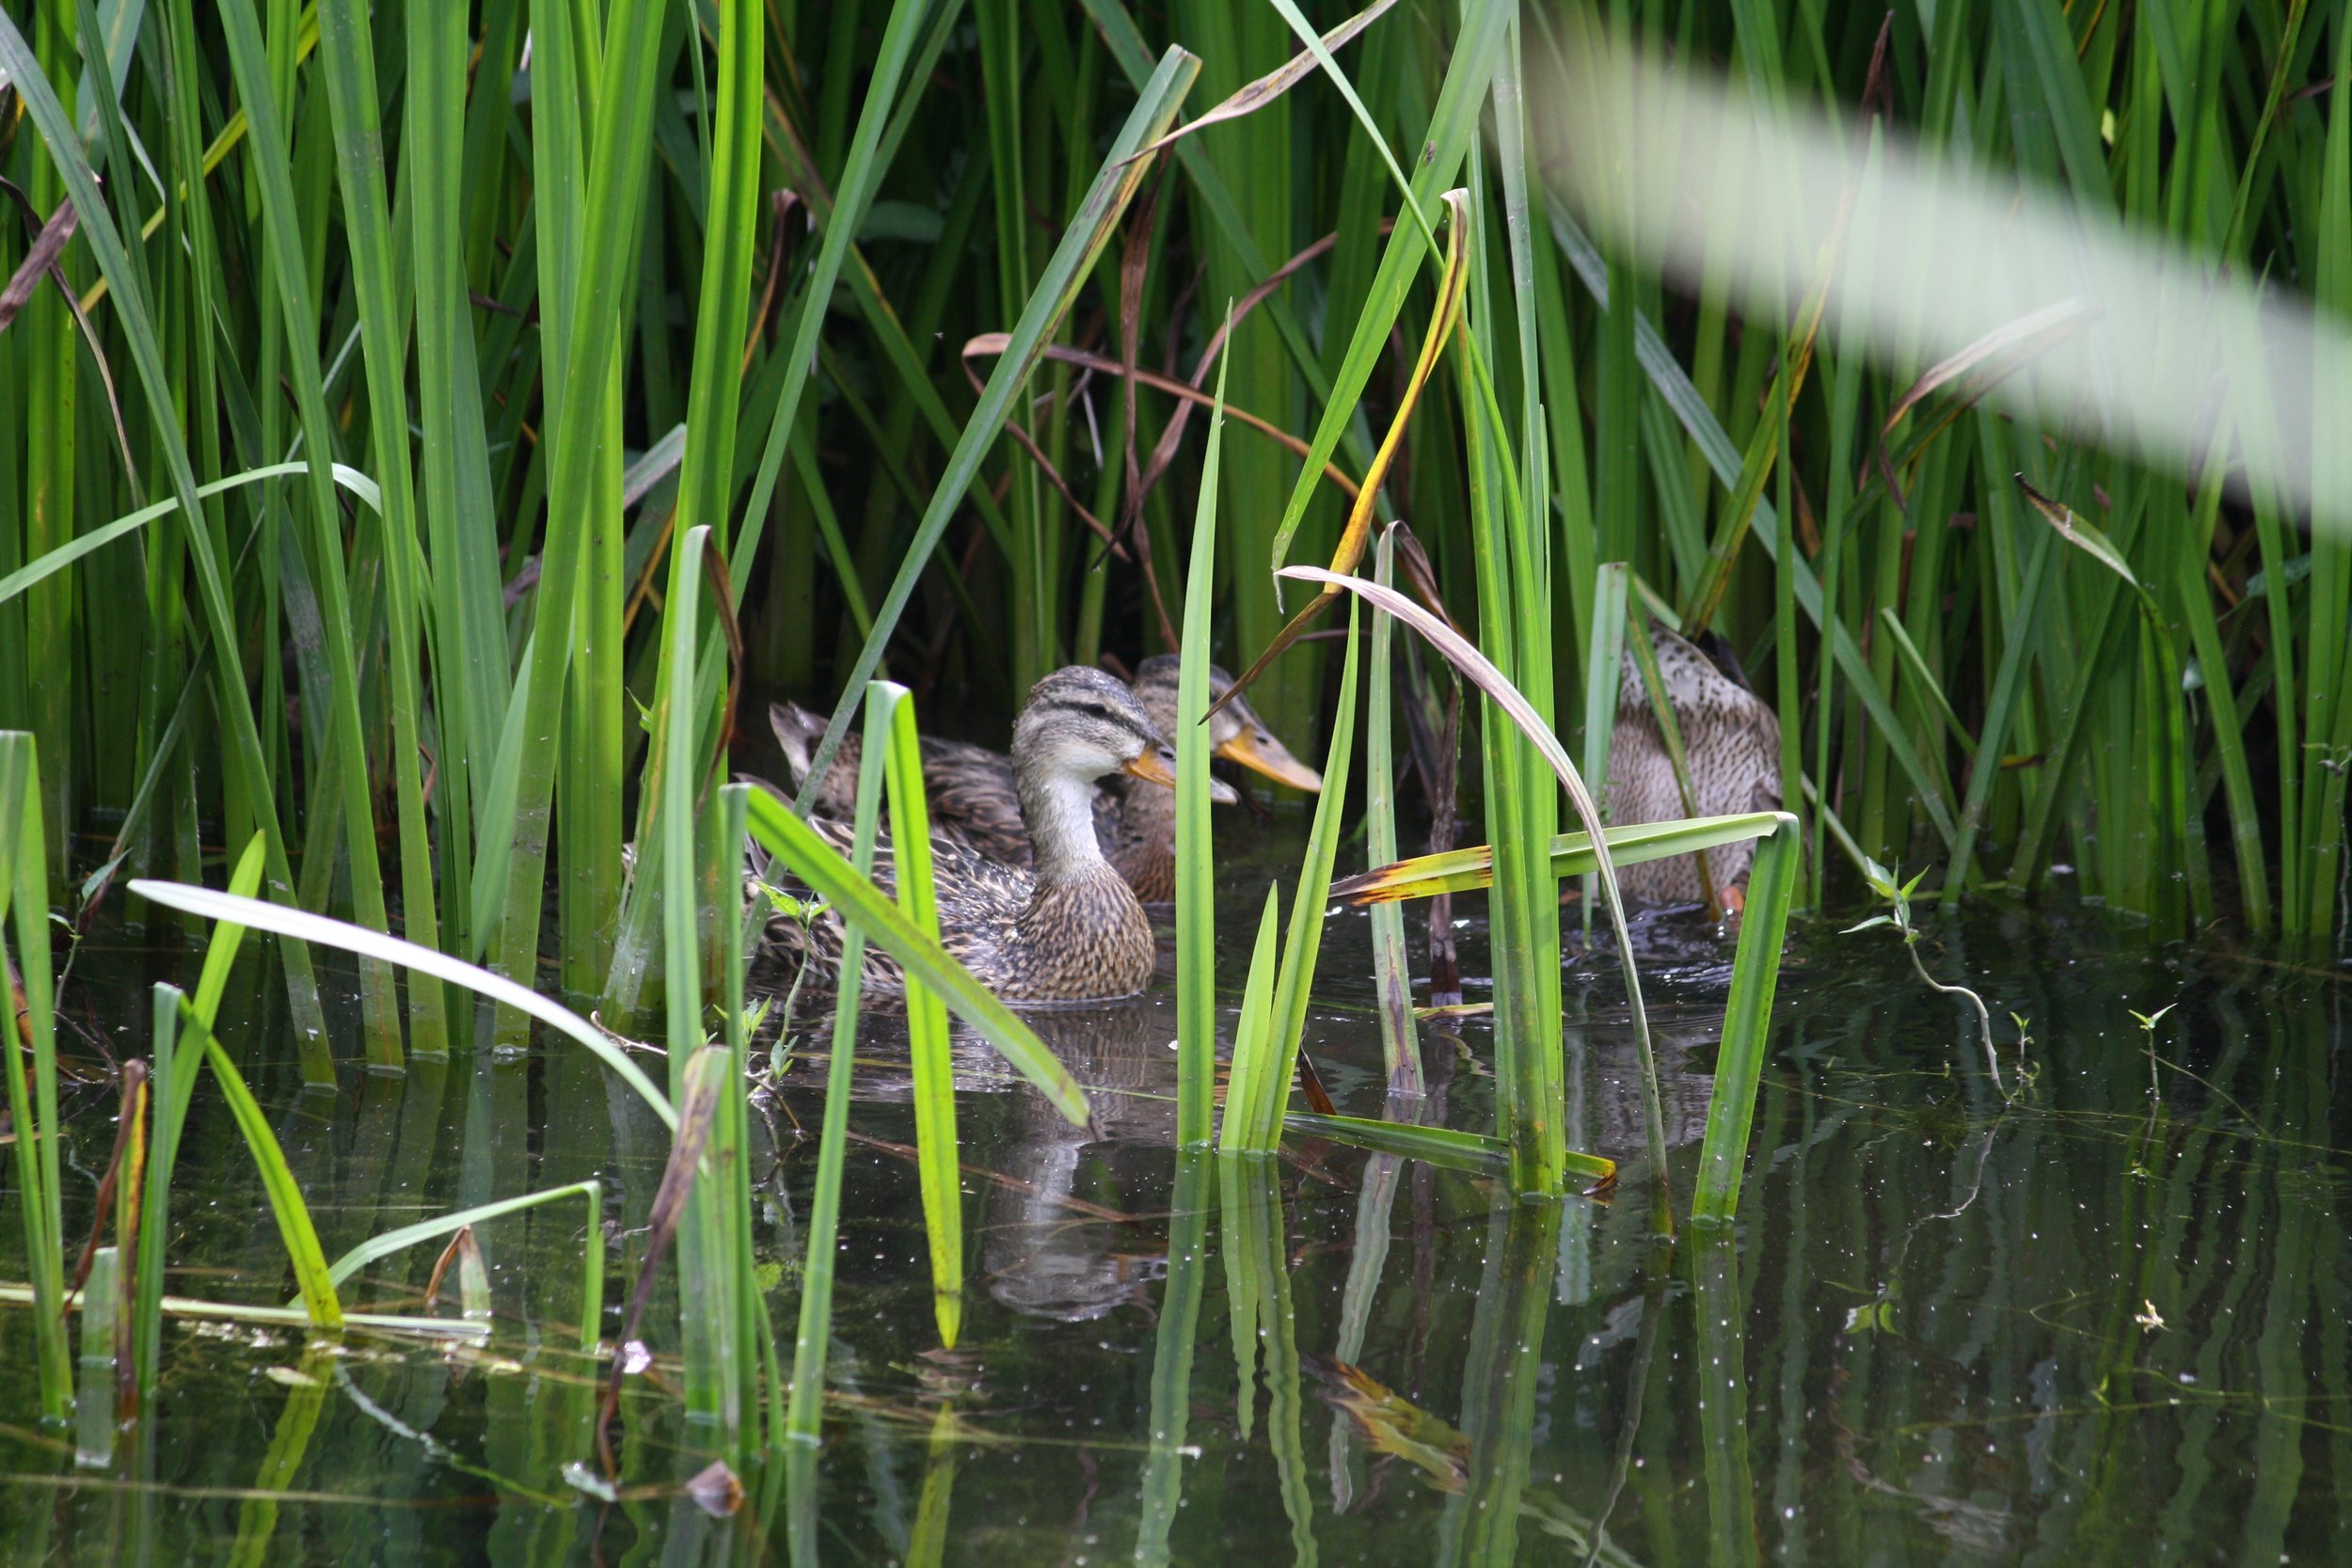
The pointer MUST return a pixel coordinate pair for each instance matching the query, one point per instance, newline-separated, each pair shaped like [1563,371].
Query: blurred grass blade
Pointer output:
[2143,373]
[1698,420]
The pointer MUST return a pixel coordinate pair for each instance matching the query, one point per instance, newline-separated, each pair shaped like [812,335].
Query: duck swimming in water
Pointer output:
[1731,742]
[1066,928]
[973,796]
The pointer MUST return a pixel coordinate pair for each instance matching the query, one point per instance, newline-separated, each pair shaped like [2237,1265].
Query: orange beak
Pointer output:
[1151,766]
[1271,758]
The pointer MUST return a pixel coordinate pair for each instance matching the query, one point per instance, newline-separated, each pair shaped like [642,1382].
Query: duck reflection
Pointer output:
[1050,1246]
[1684,1040]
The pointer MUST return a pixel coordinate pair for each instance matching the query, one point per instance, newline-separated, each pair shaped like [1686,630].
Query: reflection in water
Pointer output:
[2090,1328]
[1042,1257]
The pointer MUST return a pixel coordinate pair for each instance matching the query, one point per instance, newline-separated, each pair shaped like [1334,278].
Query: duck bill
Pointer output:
[1149,765]
[1273,759]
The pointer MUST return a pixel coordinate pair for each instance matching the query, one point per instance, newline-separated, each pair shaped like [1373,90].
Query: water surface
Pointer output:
[2090,1326]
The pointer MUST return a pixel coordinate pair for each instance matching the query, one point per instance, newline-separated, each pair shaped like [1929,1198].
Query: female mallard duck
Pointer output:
[1068,931]
[972,796]
[1731,742]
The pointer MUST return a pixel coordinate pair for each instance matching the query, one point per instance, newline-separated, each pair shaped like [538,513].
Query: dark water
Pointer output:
[2089,1327]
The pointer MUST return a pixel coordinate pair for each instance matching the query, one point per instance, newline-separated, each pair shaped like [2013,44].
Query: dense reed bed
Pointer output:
[335,280]
[432,427]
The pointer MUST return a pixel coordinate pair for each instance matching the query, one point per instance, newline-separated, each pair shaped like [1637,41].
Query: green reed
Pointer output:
[1196,863]
[33,1085]
[557,323]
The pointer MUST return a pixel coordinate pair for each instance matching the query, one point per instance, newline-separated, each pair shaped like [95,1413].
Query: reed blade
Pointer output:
[1747,1021]
[927,1015]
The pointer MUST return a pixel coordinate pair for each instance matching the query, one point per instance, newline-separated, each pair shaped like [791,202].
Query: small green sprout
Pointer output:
[1898,895]
[2148,1034]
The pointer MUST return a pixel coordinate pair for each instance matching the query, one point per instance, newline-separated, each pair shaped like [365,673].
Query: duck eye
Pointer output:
[1096,710]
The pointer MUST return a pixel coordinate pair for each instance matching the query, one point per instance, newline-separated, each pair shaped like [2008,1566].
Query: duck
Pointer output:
[1731,743]
[974,797]
[1066,928]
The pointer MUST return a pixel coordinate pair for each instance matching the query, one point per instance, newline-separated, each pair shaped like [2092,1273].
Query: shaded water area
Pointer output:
[2092,1326]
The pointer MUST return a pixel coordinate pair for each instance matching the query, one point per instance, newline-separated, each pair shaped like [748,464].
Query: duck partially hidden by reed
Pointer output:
[1065,928]
[1731,744]
[974,798]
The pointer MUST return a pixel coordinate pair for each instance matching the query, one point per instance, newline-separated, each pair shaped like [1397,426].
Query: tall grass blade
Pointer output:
[1452,284]
[1747,1022]
[172,1079]
[1287,1022]
[94,1394]
[1196,851]
[33,1101]
[814,1338]
[927,1015]
[602,215]
[1400,1048]
[347,60]
[1453,124]
[325,561]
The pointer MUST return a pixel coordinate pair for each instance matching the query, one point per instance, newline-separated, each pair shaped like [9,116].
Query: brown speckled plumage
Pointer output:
[1069,929]
[974,800]
[970,788]
[1731,740]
